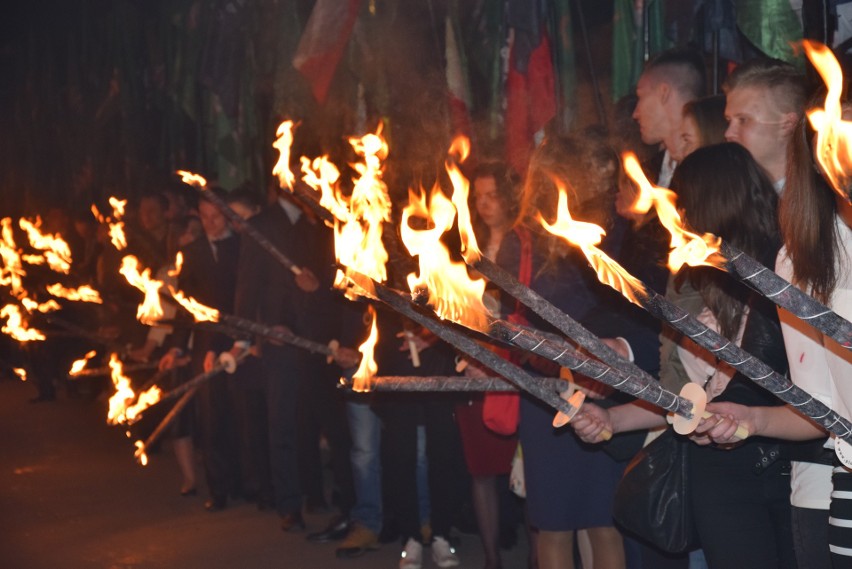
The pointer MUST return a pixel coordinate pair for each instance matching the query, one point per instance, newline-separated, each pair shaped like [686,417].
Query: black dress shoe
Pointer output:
[292,522]
[336,530]
[216,504]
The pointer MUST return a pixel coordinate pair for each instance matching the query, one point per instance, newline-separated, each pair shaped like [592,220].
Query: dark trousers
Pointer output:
[401,415]
[254,431]
[322,411]
[810,538]
[283,368]
[219,436]
[743,518]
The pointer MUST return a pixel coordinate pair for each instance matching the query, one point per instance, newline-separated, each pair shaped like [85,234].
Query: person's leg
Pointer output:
[840,520]
[555,549]
[486,507]
[185,457]
[810,538]
[365,428]
[607,548]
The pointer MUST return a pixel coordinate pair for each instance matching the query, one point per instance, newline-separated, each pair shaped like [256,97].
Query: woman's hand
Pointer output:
[591,423]
[721,427]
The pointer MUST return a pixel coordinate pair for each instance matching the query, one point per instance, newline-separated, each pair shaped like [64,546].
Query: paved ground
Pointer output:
[71,496]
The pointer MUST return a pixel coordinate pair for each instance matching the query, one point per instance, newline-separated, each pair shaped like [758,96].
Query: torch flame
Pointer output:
[368,368]
[452,293]
[283,144]
[178,265]
[686,247]
[460,148]
[199,311]
[121,406]
[56,250]
[140,453]
[192,179]
[322,175]
[833,148]
[20,372]
[15,326]
[12,270]
[80,364]
[150,310]
[586,236]
[31,305]
[83,293]
[115,223]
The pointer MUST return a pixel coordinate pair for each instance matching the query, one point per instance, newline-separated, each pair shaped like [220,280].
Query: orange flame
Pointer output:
[586,236]
[31,305]
[33,259]
[80,364]
[178,265]
[358,240]
[452,293]
[192,179]
[283,144]
[56,250]
[20,372]
[833,148]
[199,311]
[15,326]
[122,409]
[368,368]
[140,453]
[322,176]
[460,149]
[150,310]
[12,270]
[686,247]
[115,223]
[83,293]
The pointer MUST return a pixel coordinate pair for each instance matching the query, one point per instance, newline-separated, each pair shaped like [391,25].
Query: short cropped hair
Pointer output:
[785,83]
[684,69]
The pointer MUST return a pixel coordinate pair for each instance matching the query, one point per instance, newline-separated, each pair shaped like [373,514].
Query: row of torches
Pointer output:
[358,220]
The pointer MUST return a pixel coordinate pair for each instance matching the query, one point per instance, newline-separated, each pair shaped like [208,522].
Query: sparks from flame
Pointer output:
[150,310]
[15,326]
[83,293]
[80,364]
[283,144]
[586,236]
[833,147]
[452,293]
[686,247]
[368,368]
[57,253]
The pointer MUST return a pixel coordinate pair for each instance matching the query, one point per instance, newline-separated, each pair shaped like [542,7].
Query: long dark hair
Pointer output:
[507,183]
[723,191]
[808,209]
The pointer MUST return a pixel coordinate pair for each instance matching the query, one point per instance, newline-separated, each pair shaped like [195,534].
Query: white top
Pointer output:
[820,366]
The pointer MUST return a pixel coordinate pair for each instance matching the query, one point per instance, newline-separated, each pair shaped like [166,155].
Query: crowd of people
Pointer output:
[415,466]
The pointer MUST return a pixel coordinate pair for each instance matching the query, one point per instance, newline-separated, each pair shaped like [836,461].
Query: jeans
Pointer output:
[365,428]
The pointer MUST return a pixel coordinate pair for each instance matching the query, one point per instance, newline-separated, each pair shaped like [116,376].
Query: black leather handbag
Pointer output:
[652,499]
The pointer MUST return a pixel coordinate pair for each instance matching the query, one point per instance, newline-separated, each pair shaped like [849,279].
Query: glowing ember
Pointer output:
[200,312]
[833,148]
[686,247]
[115,223]
[283,144]
[140,453]
[15,326]
[452,293]
[80,364]
[32,306]
[358,241]
[368,368]
[586,236]
[150,310]
[460,149]
[21,373]
[56,250]
[178,265]
[12,270]
[83,293]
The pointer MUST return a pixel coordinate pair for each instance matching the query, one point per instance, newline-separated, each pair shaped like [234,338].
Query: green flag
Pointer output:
[772,26]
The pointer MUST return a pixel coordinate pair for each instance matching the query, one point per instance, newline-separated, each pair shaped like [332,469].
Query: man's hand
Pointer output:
[306,280]
[169,360]
[280,330]
[209,361]
[346,357]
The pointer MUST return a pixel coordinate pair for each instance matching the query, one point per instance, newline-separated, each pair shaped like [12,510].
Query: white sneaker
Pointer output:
[444,554]
[412,555]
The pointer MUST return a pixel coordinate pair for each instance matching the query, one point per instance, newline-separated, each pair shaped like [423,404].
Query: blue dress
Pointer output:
[570,485]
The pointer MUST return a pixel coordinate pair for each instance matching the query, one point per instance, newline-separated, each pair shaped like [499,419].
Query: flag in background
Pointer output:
[458,85]
[772,26]
[627,41]
[323,42]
